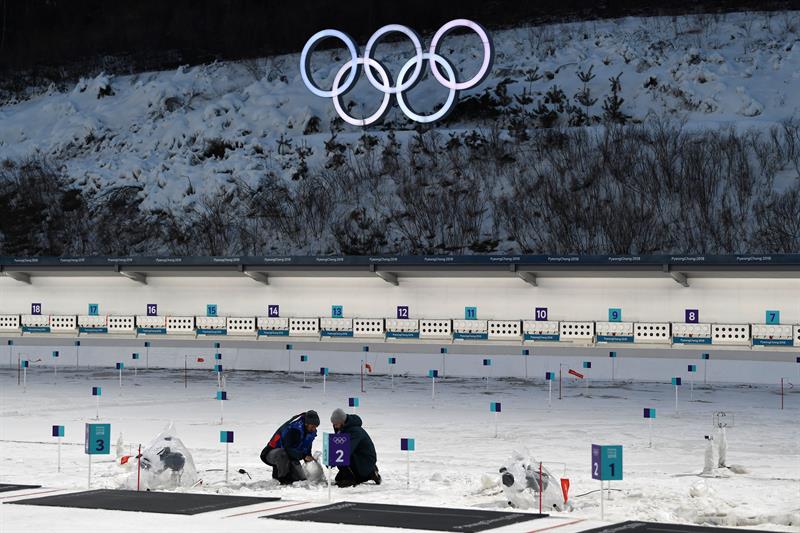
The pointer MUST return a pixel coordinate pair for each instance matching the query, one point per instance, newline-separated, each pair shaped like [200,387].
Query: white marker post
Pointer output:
[650,414]
[58,433]
[96,392]
[676,382]
[408,446]
[222,396]
[120,366]
[432,374]
[324,371]
[488,363]
[25,364]
[227,438]
[495,407]
[55,365]
[549,376]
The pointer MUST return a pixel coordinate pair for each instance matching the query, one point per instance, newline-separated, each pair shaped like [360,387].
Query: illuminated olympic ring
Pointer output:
[404,82]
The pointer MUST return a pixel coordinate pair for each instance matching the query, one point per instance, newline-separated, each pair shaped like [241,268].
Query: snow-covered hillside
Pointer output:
[247,154]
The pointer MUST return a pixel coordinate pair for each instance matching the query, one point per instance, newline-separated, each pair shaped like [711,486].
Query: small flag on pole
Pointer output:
[135,356]
[226,436]
[352,402]
[407,445]
[77,343]
[575,373]
[217,368]
[549,376]
[55,353]
[201,360]
[649,412]
[218,356]
[495,407]
[526,352]
[676,381]
[705,356]
[365,348]
[222,395]
[487,362]
[58,431]
[323,371]
[120,366]
[692,368]
[97,391]
[433,373]
[10,342]
[25,363]
[303,358]
[442,350]
[587,364]
[289,346]
[146,344]
[216,345]
[392,360]
[612,354]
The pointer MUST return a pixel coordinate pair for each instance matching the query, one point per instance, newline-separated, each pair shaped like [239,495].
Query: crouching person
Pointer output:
[291,444]
[363,459]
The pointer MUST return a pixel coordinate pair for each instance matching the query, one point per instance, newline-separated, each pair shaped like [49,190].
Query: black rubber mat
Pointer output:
[8,487]
[406,516]
[146,502]
[655,527]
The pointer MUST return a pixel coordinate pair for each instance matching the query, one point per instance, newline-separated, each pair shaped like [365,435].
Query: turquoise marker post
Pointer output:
[303,361]
[324,371]
[135,357]
[487,364]
[227,438]
[120,367]
[705,357]
[549,377]
[691,369]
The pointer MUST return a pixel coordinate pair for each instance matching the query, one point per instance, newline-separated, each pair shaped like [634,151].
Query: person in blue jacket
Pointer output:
[363,458]
[291,444]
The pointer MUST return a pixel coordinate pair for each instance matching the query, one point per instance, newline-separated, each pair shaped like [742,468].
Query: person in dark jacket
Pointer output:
[290,444]
[363,458]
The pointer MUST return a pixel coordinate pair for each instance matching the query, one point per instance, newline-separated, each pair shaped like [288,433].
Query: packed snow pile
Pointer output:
[525,480]
[166,464]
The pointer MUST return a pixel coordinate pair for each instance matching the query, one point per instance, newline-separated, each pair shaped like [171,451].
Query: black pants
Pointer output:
[347,477]
[284,469]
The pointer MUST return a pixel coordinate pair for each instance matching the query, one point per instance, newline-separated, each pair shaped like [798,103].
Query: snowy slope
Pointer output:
[194,132]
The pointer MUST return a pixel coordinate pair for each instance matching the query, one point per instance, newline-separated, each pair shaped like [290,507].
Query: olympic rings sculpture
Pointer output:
[448,79]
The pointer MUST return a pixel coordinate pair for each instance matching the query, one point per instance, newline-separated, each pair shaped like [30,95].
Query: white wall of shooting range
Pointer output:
[720,300]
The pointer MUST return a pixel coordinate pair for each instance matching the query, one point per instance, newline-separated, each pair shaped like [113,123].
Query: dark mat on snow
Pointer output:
[407,516]
[146,502]
[8,487]
[655,527]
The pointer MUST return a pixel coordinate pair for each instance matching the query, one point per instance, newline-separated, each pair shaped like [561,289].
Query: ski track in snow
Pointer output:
[457,457]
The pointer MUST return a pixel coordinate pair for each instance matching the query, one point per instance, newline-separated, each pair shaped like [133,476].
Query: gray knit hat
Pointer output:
[312,418]
[338,416]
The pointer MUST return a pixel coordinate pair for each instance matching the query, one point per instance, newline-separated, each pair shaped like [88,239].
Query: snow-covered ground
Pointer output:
[457,454]
[157,130]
